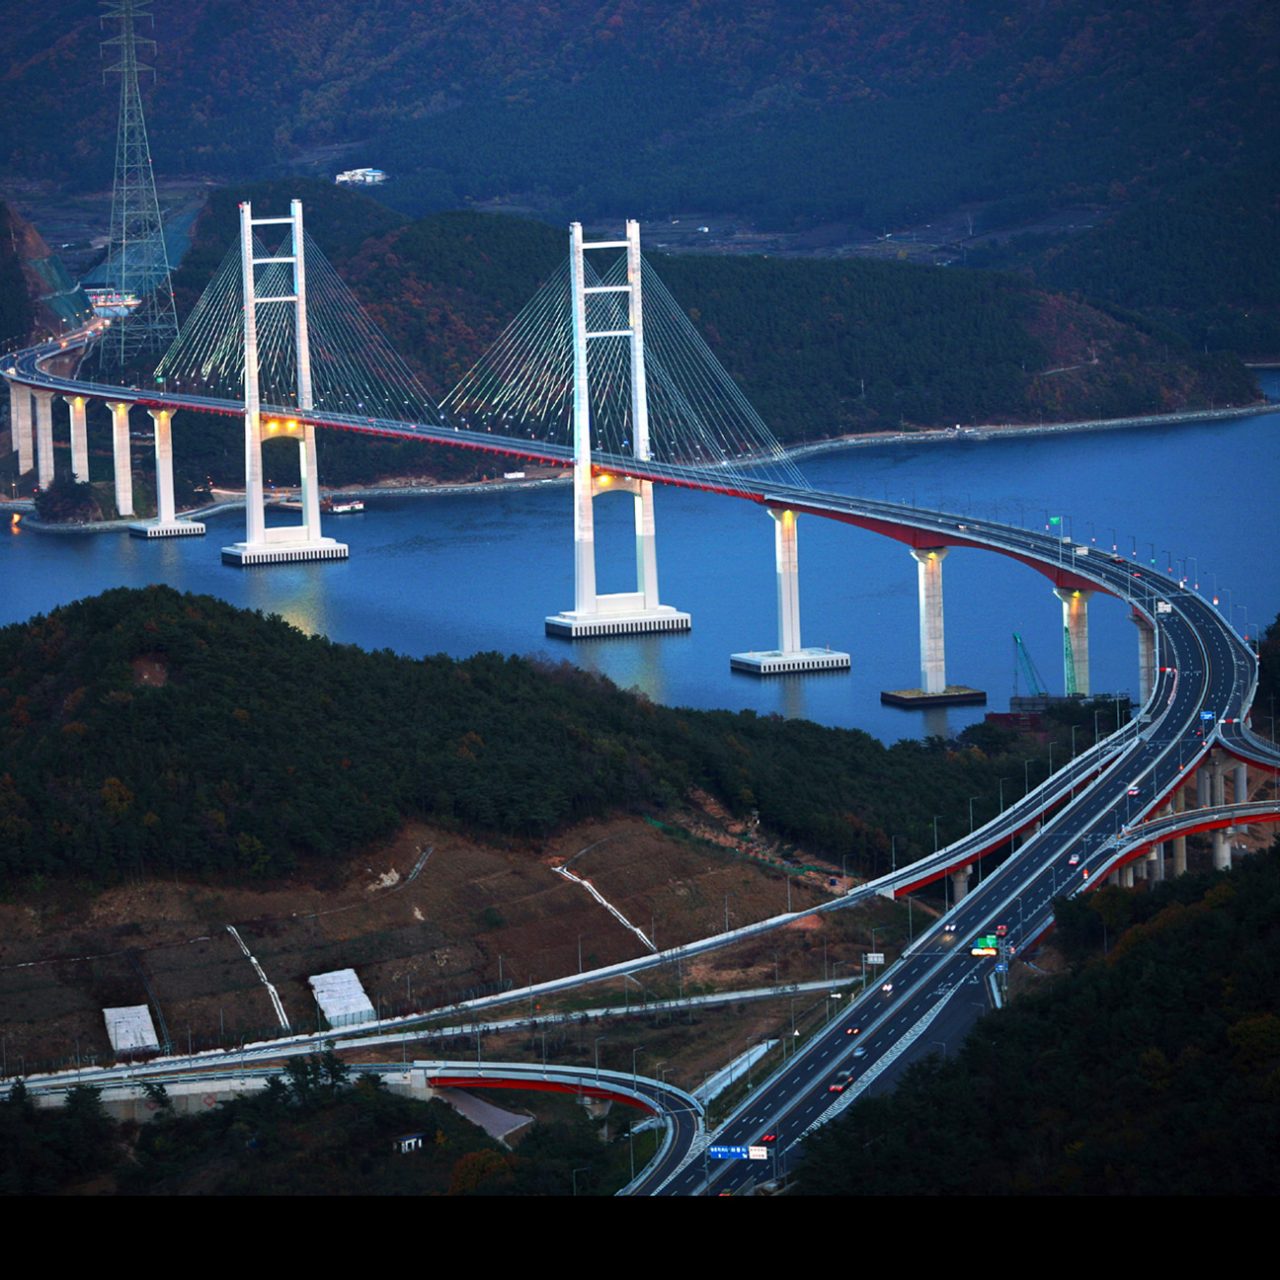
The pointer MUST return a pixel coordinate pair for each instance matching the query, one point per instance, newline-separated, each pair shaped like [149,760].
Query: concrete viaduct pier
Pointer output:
[790,657]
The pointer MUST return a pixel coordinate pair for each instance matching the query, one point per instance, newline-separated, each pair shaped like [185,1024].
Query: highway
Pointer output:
[1204,667]
[1205,680]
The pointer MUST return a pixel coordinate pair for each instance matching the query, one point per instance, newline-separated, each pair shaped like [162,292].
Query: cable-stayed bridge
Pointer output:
[602,373]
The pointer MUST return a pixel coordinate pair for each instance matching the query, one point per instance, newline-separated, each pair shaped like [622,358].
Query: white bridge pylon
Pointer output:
[627,612]
[288,543]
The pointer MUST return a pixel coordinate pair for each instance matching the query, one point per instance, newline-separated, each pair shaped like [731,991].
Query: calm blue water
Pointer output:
[471,572]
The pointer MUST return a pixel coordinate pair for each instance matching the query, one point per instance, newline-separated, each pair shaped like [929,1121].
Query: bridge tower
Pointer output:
[137,262]
[289,543]
[629,612]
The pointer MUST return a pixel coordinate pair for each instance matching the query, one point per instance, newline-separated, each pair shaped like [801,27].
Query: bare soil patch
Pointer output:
[475,916]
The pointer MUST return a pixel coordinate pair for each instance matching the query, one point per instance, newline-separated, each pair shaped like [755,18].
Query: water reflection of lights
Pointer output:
[637,663]
[295,593]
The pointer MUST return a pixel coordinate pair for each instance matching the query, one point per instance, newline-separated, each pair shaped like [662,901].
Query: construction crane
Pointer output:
[1034,679]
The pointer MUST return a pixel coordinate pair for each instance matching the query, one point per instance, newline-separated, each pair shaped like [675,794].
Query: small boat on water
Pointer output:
[329,506]
[341,506]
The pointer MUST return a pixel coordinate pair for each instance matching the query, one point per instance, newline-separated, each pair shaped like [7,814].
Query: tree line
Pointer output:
[147,731]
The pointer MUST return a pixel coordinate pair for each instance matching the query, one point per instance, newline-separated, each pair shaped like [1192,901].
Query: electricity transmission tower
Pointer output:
[137,264]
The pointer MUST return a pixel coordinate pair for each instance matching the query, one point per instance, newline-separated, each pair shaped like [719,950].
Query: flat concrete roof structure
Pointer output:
[130,1030]
[341,998]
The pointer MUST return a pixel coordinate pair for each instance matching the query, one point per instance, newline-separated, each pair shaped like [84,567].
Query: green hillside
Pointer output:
[149,731]
[1198,259]
[873,110]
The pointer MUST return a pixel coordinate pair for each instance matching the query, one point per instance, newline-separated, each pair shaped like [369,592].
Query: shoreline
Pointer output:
[232,500]
[1003,430]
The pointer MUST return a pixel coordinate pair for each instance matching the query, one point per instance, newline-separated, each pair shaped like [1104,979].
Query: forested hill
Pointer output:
[873,110]
[145,731]
[1154,1071]
[17,314]
[820,347]
[1198,259]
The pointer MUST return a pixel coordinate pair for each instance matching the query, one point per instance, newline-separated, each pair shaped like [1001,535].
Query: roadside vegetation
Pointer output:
[316,1129]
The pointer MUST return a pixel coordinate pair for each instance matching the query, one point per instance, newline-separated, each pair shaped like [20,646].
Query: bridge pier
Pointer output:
[1180,842]
[1146,656]
[790,656]
[1240,789]
[1075,623]
[121,457]
[1221,851]
[166,524]
[1156,854]
[626,612]
[933,657]
[1240,783]
[20,423]
[79,439]
[960,883]
[1218,791]
[288,543]
[44,438]
[1126,876]
[1218,779]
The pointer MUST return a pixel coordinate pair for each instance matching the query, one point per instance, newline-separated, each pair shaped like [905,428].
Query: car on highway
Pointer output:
[852,1031]
[1074,860]
[887,988]
[1135,790]
[860,1051]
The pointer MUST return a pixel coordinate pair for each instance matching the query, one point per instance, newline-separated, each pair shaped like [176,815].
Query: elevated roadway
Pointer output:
[1205,680]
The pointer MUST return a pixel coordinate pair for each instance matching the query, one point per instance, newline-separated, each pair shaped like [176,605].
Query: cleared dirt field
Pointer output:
[475,916]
